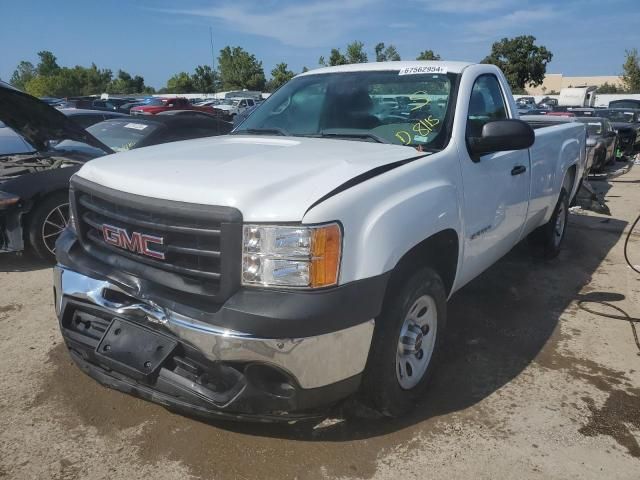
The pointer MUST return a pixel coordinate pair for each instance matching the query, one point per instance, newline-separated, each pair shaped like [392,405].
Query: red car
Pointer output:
[561,114]
[158,105]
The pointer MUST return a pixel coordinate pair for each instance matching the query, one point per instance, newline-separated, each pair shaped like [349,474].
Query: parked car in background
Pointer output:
[548,103]
[529,101]
[12,142]
[625,103]
[85,118]
[164,104]
[235,106]
[53,101]
[626,123]
[34,199]
[602,142]
[113,104]
[242,116]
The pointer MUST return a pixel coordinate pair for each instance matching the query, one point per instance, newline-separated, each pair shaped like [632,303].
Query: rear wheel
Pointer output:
[547,240]
[49,218]
[406,344]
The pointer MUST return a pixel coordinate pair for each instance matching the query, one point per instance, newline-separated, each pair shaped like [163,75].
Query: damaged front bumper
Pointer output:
[197,368]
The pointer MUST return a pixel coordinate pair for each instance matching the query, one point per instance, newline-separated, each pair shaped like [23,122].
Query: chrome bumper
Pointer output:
[313,361]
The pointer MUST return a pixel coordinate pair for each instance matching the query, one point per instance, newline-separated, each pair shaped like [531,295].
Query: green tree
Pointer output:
[48,64]
[124,83]
[40,86]
[24,72]
[239,70]
[180,83]
[631,71]
[279,76]
[609,88]
[205,79]
[386,54]
[355,53]
[523,62]
[335,58]
[428,55]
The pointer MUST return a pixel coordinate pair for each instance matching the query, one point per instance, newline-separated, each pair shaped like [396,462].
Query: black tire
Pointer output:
[44,223]
[546,241]
[381,383]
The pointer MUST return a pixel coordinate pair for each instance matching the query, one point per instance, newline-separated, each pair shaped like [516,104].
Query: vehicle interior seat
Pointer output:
[350,109]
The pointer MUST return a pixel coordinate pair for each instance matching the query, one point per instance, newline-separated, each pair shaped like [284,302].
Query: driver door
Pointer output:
[496,186]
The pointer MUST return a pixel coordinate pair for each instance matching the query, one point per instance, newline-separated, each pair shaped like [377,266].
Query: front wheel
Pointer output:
[547,240]
[48,219]
[406,345]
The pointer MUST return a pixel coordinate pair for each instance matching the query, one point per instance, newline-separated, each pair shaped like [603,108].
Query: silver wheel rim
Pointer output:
[417,342]
[558,230]
[54,223]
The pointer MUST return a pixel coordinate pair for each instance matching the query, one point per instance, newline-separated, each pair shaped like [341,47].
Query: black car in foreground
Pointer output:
[34,205]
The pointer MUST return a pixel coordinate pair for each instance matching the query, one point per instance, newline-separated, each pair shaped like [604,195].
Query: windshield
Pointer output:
[617,115]
[376,106]
[121,135]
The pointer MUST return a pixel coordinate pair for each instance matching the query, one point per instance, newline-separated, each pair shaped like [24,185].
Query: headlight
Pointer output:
[8,199]
[291,256]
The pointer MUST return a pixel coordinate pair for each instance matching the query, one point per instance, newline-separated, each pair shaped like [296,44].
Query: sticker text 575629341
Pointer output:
[420,69]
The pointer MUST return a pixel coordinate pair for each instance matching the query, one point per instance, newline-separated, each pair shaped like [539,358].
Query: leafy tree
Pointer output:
[40,86]
[205,79]
[24,72]
[522,61]
[240,69]
[609,88]
[428,55]
[48,64]
[279,76]
[386,54]
[124,83]
[335,58]
[180,83]
[631,71]
[356,53]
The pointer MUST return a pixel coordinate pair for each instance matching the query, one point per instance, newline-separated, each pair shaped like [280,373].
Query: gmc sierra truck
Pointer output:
[309,255]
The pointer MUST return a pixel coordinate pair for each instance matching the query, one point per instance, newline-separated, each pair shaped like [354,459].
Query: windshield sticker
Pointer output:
[404,137]
[425,101]
[425,126]
[136,126]
[421,69]
[419,138]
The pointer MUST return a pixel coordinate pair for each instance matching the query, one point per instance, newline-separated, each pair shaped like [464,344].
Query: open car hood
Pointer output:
[40,123]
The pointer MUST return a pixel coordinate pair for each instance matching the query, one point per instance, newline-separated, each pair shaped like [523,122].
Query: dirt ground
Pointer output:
[532,386]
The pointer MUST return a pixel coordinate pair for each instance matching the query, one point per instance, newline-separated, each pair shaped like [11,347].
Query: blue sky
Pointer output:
[156,39]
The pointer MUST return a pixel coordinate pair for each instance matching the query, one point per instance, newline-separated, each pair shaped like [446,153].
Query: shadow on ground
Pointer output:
[12,262]
[498,325]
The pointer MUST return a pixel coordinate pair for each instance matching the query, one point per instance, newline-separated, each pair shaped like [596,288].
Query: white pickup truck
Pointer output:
[273,272]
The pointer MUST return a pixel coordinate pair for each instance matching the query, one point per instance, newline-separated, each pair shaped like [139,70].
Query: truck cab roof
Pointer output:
[451,67]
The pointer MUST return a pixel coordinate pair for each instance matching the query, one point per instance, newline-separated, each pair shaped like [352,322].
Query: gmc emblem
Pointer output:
[137,242]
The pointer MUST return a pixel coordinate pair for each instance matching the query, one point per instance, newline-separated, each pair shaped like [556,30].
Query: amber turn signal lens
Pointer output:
[326,244]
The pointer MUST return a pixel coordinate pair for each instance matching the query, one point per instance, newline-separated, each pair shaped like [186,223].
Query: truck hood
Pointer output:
[266,178]
[40,123]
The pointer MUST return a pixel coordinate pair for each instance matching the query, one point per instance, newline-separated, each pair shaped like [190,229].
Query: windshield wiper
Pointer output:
[263,131]
[360,135]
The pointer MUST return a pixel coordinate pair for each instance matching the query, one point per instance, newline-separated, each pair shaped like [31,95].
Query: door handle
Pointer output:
[518,169]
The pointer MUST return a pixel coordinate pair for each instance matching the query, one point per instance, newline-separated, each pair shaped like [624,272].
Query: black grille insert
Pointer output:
[200,243]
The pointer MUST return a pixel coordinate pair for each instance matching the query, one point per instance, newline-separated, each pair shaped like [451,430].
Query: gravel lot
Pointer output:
[532,386]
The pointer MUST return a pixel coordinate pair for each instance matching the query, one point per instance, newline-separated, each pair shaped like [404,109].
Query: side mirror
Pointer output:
[501,136]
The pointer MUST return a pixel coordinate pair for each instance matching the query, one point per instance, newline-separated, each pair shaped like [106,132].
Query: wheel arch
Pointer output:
[440,251]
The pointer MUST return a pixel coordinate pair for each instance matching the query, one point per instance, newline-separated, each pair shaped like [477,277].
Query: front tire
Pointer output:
[547,240]
[48,219]
[407,344]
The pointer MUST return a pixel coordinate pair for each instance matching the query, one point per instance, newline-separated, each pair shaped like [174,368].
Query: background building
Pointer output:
[554,82]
